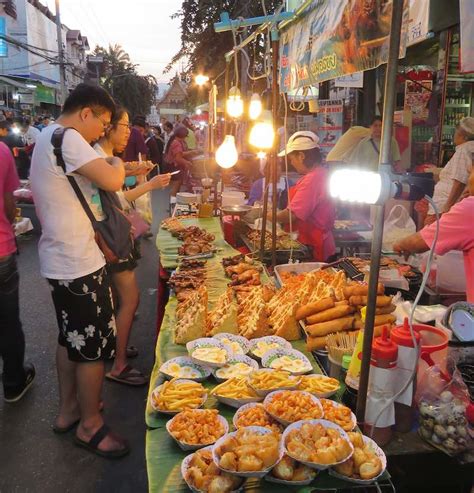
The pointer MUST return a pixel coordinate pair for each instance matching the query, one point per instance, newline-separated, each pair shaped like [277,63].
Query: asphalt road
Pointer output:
[32,457]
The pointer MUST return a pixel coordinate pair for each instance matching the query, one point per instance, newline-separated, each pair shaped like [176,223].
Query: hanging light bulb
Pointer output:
[255,107]
[262,135]
[226,154]
[235,105]
[261,154]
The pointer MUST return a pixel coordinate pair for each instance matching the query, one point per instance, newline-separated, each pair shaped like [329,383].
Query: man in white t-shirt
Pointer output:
[74,265]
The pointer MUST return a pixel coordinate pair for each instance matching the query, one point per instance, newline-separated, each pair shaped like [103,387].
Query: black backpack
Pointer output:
[113,234]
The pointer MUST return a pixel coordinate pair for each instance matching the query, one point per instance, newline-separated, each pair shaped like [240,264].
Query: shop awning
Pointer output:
[13,82]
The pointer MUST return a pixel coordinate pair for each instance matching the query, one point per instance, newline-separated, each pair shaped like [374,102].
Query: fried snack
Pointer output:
[177,395]
[234,388]
[289,470]
[339,414]
[223,318]
[384,319]
[197,427]
[318,385]
[364,464]
[362,300]
[316,343]
[361,289]
[330,314]
[247,451]
[312,308]
[271,380]
[383,310]
[257,416]
[293,405]
[325,328]
[315,443]
[204,475]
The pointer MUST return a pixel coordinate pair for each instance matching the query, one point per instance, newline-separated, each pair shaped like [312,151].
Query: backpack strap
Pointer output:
[57,143]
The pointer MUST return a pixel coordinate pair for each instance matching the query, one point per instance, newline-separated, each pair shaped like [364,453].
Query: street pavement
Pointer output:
[32,457]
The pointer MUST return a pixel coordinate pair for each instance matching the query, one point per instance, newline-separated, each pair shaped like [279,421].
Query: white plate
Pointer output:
[230,401]
[272,355]
[268,339]
[236,358]
[321,394]
[208,342]
[353,416]
[241,341]
[163,411]
[265,392]
[284,422]
[380,454]
[258,430]
[186,361]
[326,424]
[186,446]
[184,469]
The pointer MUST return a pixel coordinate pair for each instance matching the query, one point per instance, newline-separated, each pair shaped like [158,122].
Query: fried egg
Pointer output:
[234,370]
[210,354]
[176,370]
[236,347]
[263,347]
[289,364]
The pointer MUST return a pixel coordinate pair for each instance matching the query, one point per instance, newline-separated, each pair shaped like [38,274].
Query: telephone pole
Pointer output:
[62,64]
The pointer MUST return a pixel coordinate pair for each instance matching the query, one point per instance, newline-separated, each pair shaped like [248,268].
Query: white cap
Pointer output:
[467,125]
[300,141]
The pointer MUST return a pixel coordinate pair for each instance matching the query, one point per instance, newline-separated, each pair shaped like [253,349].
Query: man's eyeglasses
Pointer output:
[105,124]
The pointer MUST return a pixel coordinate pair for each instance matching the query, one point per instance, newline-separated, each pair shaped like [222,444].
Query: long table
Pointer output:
[163,456]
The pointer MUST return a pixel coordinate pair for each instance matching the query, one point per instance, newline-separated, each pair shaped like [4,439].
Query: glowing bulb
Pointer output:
[255,108]
[262,135]
[353,185]
[261,154]
[226,154]
[201,79]
[235,105]
[199,111]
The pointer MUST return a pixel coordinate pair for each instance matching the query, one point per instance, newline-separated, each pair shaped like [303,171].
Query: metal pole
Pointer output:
[62,65]
[274,157]
[384,161]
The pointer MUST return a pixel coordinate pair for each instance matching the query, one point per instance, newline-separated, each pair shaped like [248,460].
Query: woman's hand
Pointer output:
[159,181]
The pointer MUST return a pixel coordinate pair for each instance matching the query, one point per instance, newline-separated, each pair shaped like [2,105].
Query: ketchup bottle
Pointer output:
[381,389]
[406,363]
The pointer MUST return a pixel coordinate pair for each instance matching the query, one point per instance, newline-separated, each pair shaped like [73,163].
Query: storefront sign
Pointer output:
[3,43]
[417,97]
[352,80]
[45,95]
[335,38]
[330,120]
[26,97]
[467,35]
[419,13]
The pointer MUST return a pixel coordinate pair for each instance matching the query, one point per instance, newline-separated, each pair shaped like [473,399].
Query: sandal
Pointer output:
[93,444]
[129,376]
[60,430]
[132,352]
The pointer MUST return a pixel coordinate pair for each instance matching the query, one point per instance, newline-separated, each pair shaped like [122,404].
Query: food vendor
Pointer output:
[455,233]
[311,209]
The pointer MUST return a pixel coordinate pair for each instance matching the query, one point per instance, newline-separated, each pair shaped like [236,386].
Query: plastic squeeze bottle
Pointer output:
[381,389]
[407,361]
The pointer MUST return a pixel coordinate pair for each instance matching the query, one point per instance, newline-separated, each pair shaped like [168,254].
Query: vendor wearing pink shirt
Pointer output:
[456,232]
[311,208]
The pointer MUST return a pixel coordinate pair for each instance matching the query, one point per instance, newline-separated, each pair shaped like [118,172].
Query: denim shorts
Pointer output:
[85,315]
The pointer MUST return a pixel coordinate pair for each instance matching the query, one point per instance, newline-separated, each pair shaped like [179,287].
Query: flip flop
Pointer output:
[60,430]
[93,444]
[126,377]
[132,352]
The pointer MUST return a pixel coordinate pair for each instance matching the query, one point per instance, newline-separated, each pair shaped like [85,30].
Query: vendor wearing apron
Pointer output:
[311,208]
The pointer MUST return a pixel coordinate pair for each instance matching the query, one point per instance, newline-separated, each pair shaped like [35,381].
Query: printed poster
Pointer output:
[417,97]
[330,121]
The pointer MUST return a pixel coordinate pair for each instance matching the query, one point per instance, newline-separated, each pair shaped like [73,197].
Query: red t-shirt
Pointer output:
[312,204]
[9,182]
[456,232]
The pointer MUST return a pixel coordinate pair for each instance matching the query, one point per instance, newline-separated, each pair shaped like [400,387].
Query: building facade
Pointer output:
[173,105]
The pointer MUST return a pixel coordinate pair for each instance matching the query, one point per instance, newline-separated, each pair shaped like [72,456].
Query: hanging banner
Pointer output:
[335,38]
[330,120]
[417,97]
[418,21]
[353,80]
[466,15]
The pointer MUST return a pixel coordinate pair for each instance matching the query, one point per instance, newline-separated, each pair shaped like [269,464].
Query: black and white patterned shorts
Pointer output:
[85,314]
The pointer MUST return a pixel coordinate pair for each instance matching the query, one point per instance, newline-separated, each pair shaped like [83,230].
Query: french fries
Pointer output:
[177,395]
[272,380]
[293,405]
[318,385]
[234,388]
[197,426]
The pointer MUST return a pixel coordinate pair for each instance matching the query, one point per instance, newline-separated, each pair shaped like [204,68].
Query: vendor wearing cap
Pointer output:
[454,176]
[311,208]
[456,232]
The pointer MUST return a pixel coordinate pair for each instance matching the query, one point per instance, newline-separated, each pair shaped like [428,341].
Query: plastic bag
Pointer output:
[143,207]
[442,405]
[398,225]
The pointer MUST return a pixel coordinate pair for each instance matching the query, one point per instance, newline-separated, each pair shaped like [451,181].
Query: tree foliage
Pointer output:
[119,76]
[201,47]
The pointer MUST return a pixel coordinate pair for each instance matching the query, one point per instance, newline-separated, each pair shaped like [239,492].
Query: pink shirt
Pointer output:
[312,204]
[456,232]
[9,182]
